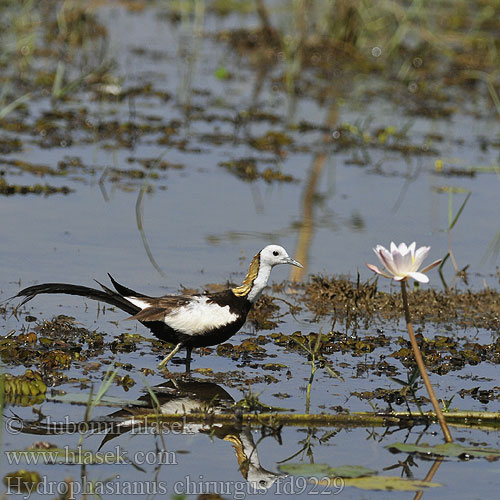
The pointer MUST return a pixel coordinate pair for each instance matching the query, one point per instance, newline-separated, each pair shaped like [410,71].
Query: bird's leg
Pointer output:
[172,353]
[188,359]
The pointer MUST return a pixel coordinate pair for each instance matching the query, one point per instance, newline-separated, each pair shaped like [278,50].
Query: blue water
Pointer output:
[203,225]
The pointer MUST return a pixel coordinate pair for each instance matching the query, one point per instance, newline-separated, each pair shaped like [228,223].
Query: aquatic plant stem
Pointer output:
[421,367]
[430,475]
[309,385]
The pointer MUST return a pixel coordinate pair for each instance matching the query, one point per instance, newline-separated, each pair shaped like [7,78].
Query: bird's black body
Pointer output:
[239,306]
[187,321]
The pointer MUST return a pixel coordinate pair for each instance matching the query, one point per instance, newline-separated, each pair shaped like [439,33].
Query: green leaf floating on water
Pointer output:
[447,450]
[324,470]
[357,476]
[385,483]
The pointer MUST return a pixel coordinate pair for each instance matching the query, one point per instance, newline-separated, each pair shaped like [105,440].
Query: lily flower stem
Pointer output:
[309,385]
[421,367]
[430,475]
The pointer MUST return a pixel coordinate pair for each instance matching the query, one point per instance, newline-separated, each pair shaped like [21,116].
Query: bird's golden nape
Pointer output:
[186,321]
[244,289]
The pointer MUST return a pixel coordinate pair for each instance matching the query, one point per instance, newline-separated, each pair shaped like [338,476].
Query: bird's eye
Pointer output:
[262,482]
[276,253]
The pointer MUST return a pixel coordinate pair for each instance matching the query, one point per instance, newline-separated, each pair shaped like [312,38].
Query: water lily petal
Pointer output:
[419,277]
[402,248]
[393,247]
[378,271]
[377,250]
[411,252]
[431,266]
[401,277]
[387,260]
[420,256]
[399,262]
[408,257]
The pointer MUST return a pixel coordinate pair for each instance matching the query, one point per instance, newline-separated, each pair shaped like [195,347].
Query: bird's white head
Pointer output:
[260,269]
[273,255]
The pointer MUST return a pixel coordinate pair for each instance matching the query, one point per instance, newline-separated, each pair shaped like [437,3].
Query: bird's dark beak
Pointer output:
[294,262]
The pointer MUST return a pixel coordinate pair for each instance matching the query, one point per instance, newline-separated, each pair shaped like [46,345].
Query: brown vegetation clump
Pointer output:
[363,302]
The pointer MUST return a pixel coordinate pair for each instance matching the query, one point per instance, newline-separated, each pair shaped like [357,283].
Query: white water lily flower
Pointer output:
[403,262]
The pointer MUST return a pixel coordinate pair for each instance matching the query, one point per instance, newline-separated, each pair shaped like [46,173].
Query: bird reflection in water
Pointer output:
[182,398]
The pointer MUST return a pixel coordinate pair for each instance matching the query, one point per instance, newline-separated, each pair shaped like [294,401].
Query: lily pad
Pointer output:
[324,470]
[355,475]
[385,483]
[308,470]
[447,450]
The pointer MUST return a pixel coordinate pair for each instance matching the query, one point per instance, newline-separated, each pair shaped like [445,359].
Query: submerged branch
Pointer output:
[358,419]
[458,418]
[355,420]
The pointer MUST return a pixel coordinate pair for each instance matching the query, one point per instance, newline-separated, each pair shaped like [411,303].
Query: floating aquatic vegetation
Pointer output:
[455,450]
[355,302]
[126,342]
[40,170]
[9,146]
[263,314]
[248,348]
[156,163]
[24,390]
[126,381]
[22,480]
[7,189]
[322,470]
[271,141]
[51,346]
[353,475]
[247,170]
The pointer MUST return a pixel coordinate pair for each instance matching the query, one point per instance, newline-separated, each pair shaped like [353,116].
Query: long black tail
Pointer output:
[158,328]
[106,295]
